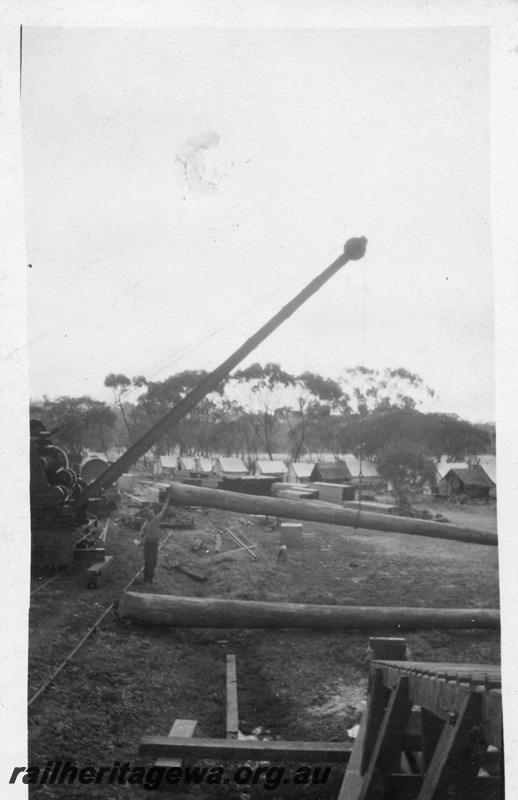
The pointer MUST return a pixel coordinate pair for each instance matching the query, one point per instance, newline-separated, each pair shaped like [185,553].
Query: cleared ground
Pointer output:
[128,681]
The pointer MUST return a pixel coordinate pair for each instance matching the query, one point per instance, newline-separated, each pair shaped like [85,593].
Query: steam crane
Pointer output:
[60,499]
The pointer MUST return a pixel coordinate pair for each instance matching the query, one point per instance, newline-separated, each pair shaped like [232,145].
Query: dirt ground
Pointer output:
[128,681]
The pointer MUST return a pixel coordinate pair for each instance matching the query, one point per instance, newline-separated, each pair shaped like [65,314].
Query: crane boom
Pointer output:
[354,249]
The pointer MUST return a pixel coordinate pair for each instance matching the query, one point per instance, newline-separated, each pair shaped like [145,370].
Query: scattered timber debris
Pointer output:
[229,555]
[187,569]
[241,543]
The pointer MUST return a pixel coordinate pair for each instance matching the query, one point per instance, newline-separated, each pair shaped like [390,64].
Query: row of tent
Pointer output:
[346,471]
[452,477]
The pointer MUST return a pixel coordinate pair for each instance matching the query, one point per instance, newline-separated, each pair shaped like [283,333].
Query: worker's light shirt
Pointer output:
[151,530]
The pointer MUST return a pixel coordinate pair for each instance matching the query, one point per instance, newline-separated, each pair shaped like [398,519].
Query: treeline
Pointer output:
[265,409]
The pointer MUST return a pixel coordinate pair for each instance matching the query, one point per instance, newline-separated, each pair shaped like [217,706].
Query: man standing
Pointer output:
[150,534]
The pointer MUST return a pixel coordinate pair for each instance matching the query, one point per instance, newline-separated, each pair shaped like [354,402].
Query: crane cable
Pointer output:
[190,348]
[362,404]
[360,472]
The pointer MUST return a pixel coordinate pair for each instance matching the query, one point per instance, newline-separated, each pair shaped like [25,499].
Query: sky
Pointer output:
[180,185]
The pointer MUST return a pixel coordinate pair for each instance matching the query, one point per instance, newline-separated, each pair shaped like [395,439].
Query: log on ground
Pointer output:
[186,612]
[314,511]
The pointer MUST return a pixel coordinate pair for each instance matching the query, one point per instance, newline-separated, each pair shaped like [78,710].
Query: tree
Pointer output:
[315,399]
[78,423]
[266,399]
[192,433]
[381,390]
[406,466]
[457,439]
[231,431]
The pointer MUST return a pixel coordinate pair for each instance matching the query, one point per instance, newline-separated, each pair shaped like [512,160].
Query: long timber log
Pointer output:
[317,512]
[187,612]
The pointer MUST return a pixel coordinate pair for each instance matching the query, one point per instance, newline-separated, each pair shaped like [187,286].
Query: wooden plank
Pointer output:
[432,688]
[378,697]
[386,755]
[228,555]
[232,709]
[440,666]
[492,717]
[353,778]
[296,494]
[181,727]
[253,555]
[458,756]
[236,749]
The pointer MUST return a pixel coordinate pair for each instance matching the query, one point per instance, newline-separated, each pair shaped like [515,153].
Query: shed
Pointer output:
[230,467]
[204,466]
[270,469]
[444,467]
[488,464]
[473,482]
[332,472]
[300,471]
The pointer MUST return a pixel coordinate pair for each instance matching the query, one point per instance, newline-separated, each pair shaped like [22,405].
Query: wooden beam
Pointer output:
[232,709]
[181,727]
[353,778]
[386,755]
[318,512]
[227,749]
[378,697]
[181,612]
[458,755]
[236,538]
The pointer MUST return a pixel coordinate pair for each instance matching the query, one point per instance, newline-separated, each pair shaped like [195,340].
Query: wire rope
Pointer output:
[192,347]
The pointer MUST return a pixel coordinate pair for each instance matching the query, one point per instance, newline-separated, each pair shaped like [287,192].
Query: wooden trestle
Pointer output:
[443,720]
